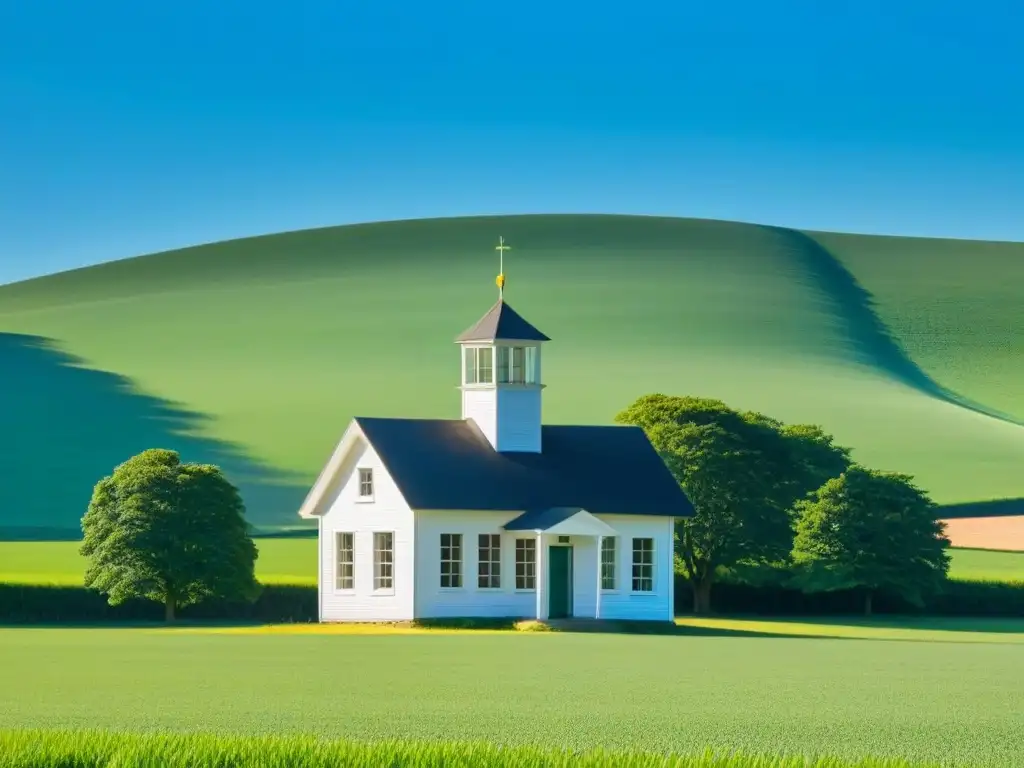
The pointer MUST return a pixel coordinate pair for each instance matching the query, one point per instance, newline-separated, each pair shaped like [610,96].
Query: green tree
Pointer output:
[743,471]
[871,530]
[168,531]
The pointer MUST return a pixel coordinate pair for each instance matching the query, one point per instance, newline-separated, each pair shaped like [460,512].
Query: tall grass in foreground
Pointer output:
[93,749]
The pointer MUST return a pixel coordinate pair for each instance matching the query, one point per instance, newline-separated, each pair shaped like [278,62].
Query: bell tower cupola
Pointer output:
[501,375]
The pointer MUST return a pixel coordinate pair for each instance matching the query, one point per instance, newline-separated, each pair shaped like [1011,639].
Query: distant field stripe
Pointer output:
[981,533]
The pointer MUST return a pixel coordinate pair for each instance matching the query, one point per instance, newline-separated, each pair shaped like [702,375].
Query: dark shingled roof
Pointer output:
[502,322]
[449,464]
[541,519]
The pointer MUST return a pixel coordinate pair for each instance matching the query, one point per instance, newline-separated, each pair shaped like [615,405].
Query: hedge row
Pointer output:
[958,598]
[32,604]
[43,604]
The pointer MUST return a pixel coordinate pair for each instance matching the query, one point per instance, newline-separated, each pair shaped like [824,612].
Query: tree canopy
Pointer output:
[872,530]
[168,531]
[743,471]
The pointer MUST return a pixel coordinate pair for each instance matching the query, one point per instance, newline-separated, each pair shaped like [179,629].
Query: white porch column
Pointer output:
[597,603]
[542,609]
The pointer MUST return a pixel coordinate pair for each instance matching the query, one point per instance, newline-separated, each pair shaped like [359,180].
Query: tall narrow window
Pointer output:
[643,565]
[608,562]
[485,365]
[383,561]
[345,560]
[451,560]
[489,576]
[365,483]
[517,374]
[526,563]
[531,366]
[502,367]
[479,365]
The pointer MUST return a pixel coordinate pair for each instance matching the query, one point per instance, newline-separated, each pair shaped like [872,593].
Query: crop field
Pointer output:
[253,354]
[293,561]
[922,699]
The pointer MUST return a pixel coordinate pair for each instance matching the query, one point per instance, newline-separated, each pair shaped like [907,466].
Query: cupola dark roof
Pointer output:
[502,322]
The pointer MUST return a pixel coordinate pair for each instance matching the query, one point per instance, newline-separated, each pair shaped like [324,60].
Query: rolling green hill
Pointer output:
[254,353]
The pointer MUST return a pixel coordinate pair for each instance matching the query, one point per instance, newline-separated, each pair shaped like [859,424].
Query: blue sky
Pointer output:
[128,128]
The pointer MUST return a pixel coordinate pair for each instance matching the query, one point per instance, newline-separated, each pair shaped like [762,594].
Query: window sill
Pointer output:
[634,593]
[451,589]
[489,589]
[345,591]
[525,591]
[383,593]
[611,591]
[364,499]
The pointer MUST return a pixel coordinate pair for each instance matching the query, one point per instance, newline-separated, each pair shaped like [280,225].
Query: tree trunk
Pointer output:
[169,608]
[867,603]
[702,596]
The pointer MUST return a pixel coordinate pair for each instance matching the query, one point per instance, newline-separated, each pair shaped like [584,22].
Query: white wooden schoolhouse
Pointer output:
[495,514]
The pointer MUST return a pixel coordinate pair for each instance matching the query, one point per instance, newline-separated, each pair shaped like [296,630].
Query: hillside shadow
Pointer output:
[64,426]
[988,508]
[869,338]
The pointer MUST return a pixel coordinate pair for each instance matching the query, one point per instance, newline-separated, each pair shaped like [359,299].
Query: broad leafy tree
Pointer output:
[168,531]
[874,531]
[743,471]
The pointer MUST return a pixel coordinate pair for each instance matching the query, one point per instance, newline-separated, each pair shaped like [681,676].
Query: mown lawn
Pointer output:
[293,561]
[923,699]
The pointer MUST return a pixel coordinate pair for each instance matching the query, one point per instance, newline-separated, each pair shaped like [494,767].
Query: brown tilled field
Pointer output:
[987,532]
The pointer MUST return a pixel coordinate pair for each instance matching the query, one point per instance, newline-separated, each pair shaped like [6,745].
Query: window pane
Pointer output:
[608,563]
[471,365]
[383,561]
[503,365]
[451,560]
[518,361]
[489,554]
[643,565]
[345,571]
[485,365]
[531,365]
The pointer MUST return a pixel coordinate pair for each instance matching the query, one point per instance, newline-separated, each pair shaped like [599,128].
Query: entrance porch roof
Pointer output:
[564,521]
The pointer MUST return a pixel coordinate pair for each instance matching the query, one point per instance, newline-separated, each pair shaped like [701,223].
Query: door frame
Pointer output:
[570,578]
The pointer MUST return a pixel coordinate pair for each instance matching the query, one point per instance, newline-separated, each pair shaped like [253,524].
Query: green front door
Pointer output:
[559,582]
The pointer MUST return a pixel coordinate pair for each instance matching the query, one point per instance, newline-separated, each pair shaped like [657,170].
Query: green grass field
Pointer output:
[254,353]
[34,748]
[293,561]
[929,699]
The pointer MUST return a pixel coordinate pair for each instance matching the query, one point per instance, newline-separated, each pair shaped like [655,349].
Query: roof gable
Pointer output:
[449,464]
[502,322]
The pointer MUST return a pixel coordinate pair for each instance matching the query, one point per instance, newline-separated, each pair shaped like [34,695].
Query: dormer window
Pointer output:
[479,365]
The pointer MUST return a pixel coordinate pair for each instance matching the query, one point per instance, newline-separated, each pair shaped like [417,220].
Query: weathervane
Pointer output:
[501,248]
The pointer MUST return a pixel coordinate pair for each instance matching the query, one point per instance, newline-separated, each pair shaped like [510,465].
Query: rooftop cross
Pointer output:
[501,248]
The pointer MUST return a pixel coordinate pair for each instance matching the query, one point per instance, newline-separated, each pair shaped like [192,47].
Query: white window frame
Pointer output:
[379,565]
[474,352]
[338,563]
[515,358]
[454,543]
[529,566]
[492,563]
[364,476]
[653,566]
[614,563]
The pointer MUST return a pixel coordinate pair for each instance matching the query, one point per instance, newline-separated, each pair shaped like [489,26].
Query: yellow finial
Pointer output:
[500,280]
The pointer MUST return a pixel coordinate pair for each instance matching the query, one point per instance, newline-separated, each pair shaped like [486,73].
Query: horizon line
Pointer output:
[406,219]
